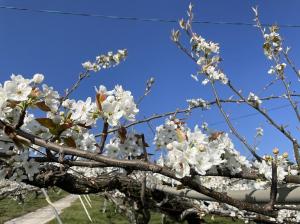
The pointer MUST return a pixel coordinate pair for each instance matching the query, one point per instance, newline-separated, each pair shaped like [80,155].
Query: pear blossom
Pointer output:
[126,103]
[116,104]
[214,74]
[190,148]
[273,42]
[167,133]
[198,103]
[105,61]
[207,53]
[178,162]
[51,97]
[131,146]
[18,88]
[113,149]
[111,110]
[12,115]
[38,78]
[200,161]
[82,112]
[265,168]
[32,126]
[68,103]
[280,67]
[86,142]
[253,99]
[189,151]
[91,66]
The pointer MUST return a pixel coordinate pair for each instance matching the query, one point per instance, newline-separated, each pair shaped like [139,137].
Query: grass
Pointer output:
[10,208]
[75,215]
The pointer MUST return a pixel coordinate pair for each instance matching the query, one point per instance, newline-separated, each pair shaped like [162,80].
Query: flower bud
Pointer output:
[268,157]
[276,151]
[38,78]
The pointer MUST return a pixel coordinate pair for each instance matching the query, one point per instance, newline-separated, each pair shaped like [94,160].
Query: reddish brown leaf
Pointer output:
[42,105]
[100,97]
[122,134]
[70,142]
[46,122]
[215,135]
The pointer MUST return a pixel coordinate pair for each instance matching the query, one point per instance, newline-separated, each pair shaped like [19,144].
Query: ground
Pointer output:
[75,214]
[10,208]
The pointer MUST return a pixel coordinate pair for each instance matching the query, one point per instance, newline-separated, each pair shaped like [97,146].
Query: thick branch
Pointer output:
[140,165]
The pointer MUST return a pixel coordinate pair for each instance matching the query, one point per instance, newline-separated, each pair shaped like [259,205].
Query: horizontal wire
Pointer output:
[250,114]
[160,20]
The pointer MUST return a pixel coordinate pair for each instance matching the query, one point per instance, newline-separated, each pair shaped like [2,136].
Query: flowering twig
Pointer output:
[289,61]
[81,76]
[273,123]
[234,131]
[188,110]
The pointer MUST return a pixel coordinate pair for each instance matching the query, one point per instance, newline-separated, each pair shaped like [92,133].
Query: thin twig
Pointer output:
[234,131]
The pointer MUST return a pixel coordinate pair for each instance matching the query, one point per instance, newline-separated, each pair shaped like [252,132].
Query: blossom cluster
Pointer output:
[129,147]
[198,103]
[208,59]
[23,166]
[115,104]
[278,69]
[65,122]
[254,99]
[105,61]
[20,93]
[110,105]
[273,42]
[205,52]
[283,168]
[189,149]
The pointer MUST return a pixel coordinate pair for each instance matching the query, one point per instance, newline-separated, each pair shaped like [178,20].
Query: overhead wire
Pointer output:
[251,114]
[159,20]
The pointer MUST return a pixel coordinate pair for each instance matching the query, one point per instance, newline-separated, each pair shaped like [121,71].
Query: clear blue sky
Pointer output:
[56,45]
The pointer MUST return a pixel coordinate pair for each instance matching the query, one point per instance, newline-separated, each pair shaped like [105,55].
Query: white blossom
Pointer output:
[116,104]
[17,89]
[253,99]
[91,66]
[38,78]
[131,146]
[32,126]
[82,111]
[198,103]
[51,97]
[86,142]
